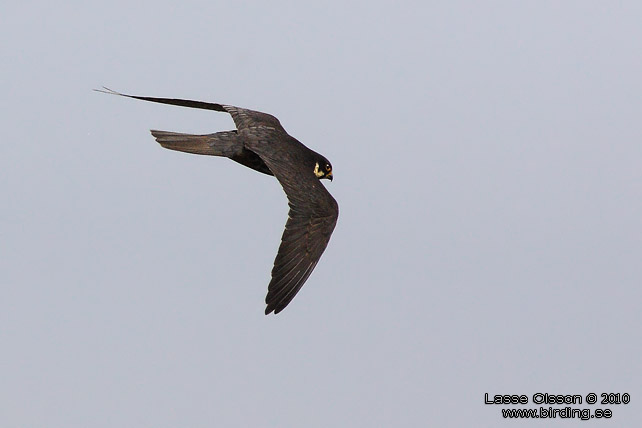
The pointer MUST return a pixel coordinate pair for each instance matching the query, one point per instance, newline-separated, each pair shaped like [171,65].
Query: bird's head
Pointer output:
[323,169]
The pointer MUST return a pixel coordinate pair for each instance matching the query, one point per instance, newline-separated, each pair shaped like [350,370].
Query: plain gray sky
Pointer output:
[487,160]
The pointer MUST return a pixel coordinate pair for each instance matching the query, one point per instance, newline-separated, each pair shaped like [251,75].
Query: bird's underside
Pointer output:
[261,143]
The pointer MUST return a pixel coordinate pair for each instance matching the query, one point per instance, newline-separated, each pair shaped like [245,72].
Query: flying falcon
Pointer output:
[260,142]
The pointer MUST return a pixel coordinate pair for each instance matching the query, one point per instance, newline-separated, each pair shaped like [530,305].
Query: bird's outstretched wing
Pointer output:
[312,217]
[243,118]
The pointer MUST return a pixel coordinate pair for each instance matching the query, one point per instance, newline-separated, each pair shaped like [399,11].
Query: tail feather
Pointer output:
[218,144]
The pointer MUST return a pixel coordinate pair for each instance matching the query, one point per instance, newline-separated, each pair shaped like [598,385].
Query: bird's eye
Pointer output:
[328,167]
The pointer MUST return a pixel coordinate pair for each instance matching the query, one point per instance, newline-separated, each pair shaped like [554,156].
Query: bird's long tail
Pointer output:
[218,144]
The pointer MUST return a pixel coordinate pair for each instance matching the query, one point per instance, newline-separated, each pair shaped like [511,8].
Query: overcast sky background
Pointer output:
[487,162]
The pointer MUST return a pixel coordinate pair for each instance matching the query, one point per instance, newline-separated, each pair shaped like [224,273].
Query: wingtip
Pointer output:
[106,90]
[273,308]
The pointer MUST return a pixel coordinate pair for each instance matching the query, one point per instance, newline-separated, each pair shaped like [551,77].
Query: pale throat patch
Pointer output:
[317,171]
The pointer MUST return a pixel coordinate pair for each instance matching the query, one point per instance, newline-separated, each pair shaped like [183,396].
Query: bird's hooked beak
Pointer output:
[321,173]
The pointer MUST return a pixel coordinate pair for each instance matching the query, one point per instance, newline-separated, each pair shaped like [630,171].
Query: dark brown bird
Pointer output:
[260,142]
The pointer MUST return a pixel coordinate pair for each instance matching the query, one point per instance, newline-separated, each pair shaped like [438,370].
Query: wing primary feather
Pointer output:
[287,298]
[173,101]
